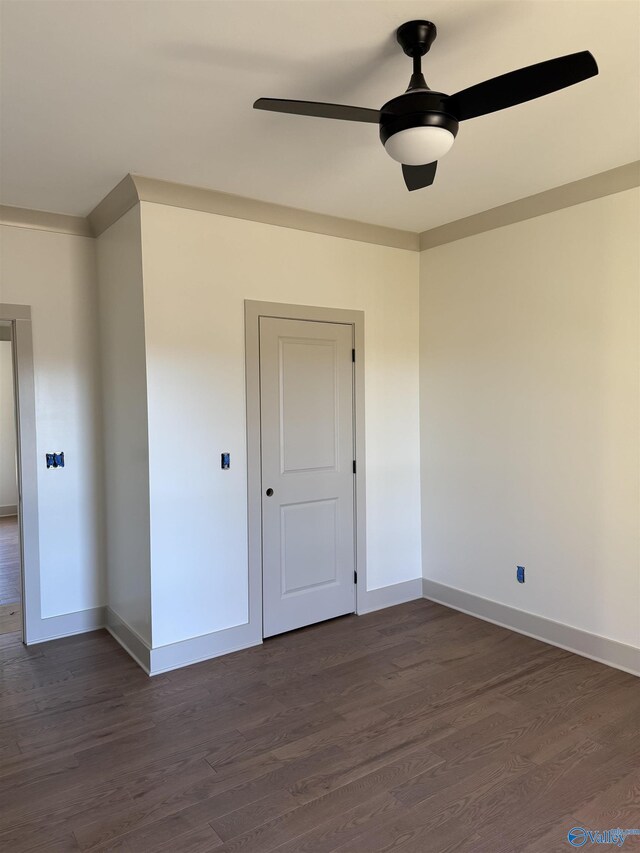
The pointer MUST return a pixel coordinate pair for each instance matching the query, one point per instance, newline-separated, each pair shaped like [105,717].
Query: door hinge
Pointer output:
[355,576]
[353,355]
[354,466]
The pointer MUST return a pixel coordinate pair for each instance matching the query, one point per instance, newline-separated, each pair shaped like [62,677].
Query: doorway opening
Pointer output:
[10,550]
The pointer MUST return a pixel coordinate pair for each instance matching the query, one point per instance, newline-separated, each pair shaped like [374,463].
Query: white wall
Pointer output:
[126,453]
[8,482]
[55,274]
[198,270]
[530,415]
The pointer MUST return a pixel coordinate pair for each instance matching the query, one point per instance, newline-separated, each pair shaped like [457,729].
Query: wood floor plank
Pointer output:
[164,790]
[200,840]
[295,822]
[553,840]
[59,820]
[247,818]
[340,734]
[616,805]
[175,834]
[10,576]
[345,825]
[552,791]
[10,618]
[441,801]
[198,803]
[66,844]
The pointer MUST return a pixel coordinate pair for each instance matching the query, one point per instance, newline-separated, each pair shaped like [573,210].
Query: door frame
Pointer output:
[253,311]
[25,413]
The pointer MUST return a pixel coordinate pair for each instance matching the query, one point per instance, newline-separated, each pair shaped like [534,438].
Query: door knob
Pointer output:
[269,492]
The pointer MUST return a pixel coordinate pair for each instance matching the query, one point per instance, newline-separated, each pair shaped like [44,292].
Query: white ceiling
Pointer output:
[93,90]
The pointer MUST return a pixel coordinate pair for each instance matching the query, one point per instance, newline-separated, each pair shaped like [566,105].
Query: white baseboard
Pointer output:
[9,509]
[129,639]
[56,627]
[155,661]
[161,659]
[197,649]
[602,649]
[388,596]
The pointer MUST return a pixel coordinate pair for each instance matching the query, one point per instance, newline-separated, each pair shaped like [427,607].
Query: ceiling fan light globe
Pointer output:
[416,146]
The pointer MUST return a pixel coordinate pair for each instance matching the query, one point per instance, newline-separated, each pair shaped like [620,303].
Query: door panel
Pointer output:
[308,409]
[306,389]
[308,541]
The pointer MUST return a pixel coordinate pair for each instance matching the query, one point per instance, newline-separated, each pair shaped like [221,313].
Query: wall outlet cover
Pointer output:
[55,460]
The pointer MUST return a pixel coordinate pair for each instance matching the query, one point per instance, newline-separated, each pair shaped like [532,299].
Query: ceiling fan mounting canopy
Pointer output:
[416,37]
[419,127]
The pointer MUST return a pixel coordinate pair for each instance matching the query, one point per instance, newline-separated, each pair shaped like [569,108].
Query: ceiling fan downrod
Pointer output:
[415,38]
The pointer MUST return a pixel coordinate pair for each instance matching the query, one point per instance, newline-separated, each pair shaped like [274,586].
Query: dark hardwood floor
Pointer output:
[415,729]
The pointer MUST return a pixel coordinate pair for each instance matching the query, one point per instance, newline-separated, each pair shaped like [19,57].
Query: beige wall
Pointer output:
[56,275]
[527,428]
[198,270]
[529,365]
[126,451]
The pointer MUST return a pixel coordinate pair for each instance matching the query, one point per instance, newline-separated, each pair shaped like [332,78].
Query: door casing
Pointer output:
[253,311]
[25,410]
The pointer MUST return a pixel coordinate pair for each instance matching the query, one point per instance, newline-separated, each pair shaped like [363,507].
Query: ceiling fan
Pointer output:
[419,127]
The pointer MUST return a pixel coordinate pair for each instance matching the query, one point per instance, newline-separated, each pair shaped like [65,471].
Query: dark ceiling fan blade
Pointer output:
[522,85]
[417,177]
[315,108]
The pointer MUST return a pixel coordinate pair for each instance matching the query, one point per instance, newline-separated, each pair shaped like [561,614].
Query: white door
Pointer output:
[306,403]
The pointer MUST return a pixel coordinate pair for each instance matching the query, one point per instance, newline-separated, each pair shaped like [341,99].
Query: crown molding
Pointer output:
[42,220]
[115,204]
[137,188]
[595,186]
[133,189]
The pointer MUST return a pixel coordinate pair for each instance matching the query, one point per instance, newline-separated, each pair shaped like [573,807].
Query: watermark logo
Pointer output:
[578,836]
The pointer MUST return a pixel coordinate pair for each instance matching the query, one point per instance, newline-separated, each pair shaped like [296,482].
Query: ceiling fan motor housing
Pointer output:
[417,109]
